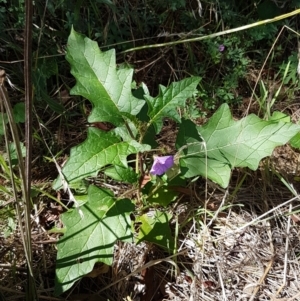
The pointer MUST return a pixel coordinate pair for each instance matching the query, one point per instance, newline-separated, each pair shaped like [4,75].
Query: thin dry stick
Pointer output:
[147,265]
[241,28]
[263,66]
[285,299]
[256,220]
[266,213]
[24,229]
[4,99]
[286,251]
[221,279]
[31,288]
[261,70]
[28,98]
[294,297]
[64,182]
[21,294]
[219,209]
[262,279]
[269,266]
[41,31]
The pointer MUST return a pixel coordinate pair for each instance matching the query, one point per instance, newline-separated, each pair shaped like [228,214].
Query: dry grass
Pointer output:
[245,251]
[241,253]
[241,248]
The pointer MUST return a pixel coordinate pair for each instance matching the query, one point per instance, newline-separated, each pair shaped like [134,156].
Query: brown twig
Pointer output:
[31,288]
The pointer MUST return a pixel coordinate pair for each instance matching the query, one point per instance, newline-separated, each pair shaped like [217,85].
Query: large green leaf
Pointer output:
[98,150]
[99,80]
[168,99]
[222,144]
[155,228]
[91,239]
[163,193]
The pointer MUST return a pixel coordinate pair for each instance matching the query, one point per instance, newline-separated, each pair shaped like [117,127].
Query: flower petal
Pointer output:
[161,165]
[221,48]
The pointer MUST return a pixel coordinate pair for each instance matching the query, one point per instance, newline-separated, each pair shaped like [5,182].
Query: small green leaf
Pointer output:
[148,132]
[162,191]
[119,173]
[91,238]
[10,227]
[122,131]
[163,196]
[279,116]
[295,141]
[165,104]
[13,152]
[57,230]
[1,122]
[53,104]
[155,228]
[19,112]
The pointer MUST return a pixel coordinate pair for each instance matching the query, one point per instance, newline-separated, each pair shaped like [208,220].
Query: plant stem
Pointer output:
[217,34]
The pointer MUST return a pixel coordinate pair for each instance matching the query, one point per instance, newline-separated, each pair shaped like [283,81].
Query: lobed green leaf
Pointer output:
[98,150]
[91,238]
[99,80]
[214,149]
[155,228]
[165,104]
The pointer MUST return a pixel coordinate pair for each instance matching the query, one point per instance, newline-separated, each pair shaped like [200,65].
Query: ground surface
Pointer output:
[244,246]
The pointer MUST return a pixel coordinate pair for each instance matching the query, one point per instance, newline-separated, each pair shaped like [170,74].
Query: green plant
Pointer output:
[18,115]
[7,212]
[15,170]
[290,77]
[15,8]
[269,96]
[100,218]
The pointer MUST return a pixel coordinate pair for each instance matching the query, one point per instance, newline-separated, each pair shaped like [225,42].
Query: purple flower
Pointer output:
[161,165]
[221,48]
